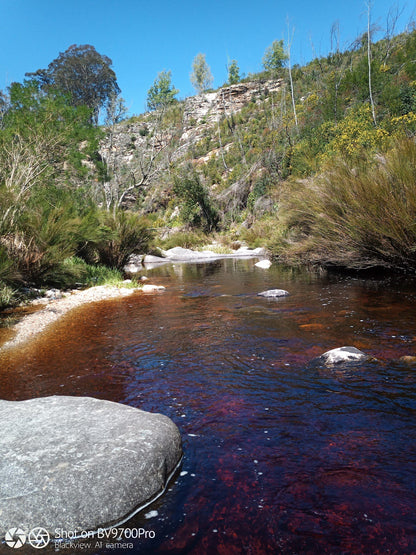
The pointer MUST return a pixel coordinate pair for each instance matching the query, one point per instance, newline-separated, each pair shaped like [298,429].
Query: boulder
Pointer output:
[342,355]
[179,254]
[263,264]
[150,288]
[134,264]
[273,293]
[78,463]
[151,259]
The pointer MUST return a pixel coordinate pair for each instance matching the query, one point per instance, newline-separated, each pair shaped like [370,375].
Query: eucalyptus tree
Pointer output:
[233,73]
[162,93]
[82,73]
[201,76]
[274,57]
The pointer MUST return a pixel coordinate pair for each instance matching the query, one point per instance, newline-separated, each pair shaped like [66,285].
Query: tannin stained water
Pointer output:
[281,455]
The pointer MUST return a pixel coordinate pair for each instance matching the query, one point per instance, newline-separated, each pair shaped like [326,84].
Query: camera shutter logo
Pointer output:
[15,537]
[38,537]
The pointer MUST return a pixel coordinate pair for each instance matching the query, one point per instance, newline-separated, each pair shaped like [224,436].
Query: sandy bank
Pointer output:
[34,324]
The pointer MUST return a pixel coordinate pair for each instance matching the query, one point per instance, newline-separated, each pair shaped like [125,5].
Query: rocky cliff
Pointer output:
[138,152]
[199,114]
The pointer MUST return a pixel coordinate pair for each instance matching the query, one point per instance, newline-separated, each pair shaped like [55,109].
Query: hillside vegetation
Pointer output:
[319,165]
[328,180]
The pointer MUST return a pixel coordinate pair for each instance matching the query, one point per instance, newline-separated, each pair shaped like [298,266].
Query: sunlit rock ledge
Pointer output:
[179,254]
[79,463]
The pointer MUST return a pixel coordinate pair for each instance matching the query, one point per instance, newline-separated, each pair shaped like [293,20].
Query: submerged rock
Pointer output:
[343,354]
[78,463]
[274,293]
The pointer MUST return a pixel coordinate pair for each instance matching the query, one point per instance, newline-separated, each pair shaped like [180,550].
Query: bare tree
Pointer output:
[23,162]
[335,34]
[129,172]
[289,44]
[370,89]
[392,18]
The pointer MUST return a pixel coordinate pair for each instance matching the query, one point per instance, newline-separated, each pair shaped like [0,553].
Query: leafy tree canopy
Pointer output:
[84,74]
[162,92]
[233,73]
[275,56]
[201,76]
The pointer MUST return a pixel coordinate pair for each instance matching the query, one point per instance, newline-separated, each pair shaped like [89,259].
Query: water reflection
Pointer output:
[281,455]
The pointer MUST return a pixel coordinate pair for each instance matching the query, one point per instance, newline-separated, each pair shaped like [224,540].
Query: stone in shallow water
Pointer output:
[78,463]
[408,359]
[343,354]
[150,288]
[274,293]
[263,264]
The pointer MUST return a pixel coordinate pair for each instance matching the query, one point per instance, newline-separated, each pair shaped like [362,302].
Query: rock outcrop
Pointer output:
[78,463]
[210,107]
[199,113]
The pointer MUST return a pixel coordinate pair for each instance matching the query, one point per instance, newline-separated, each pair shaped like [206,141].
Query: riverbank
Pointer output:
[34,324]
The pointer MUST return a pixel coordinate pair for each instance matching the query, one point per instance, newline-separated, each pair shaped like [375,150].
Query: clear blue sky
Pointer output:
[145,37]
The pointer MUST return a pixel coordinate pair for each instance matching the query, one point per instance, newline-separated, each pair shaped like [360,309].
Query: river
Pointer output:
[282,455]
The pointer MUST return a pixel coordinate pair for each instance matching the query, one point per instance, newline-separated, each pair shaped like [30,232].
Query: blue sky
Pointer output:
[144,37]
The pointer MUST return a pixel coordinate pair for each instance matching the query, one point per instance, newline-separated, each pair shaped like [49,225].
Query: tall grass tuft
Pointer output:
[128,234]
[354,216]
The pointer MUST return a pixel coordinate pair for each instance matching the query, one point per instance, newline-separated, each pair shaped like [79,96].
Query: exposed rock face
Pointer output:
[273,293]
[127,138]
[211,107]
[343,354]
[78,463]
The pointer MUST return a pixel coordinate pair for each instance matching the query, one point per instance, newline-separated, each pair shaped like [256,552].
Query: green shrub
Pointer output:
[128,234]
[197,206]
[8,296]
[260,233]
[93,274]
[185,239]
[45,238]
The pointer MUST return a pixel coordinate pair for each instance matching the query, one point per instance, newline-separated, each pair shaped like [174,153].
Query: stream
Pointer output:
[282,455]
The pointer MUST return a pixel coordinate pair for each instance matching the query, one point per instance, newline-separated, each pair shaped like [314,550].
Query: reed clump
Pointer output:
[354,215]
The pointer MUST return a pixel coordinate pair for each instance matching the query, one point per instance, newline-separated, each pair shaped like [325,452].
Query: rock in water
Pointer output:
[408,359]
[263,264]
[78,463]
[343,354]
[150,288]
[274,293]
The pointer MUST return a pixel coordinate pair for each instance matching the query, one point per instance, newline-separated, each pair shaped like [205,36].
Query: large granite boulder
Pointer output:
[78,463]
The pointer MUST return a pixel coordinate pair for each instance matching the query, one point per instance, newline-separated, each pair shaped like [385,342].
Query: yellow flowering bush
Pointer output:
[356,132]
